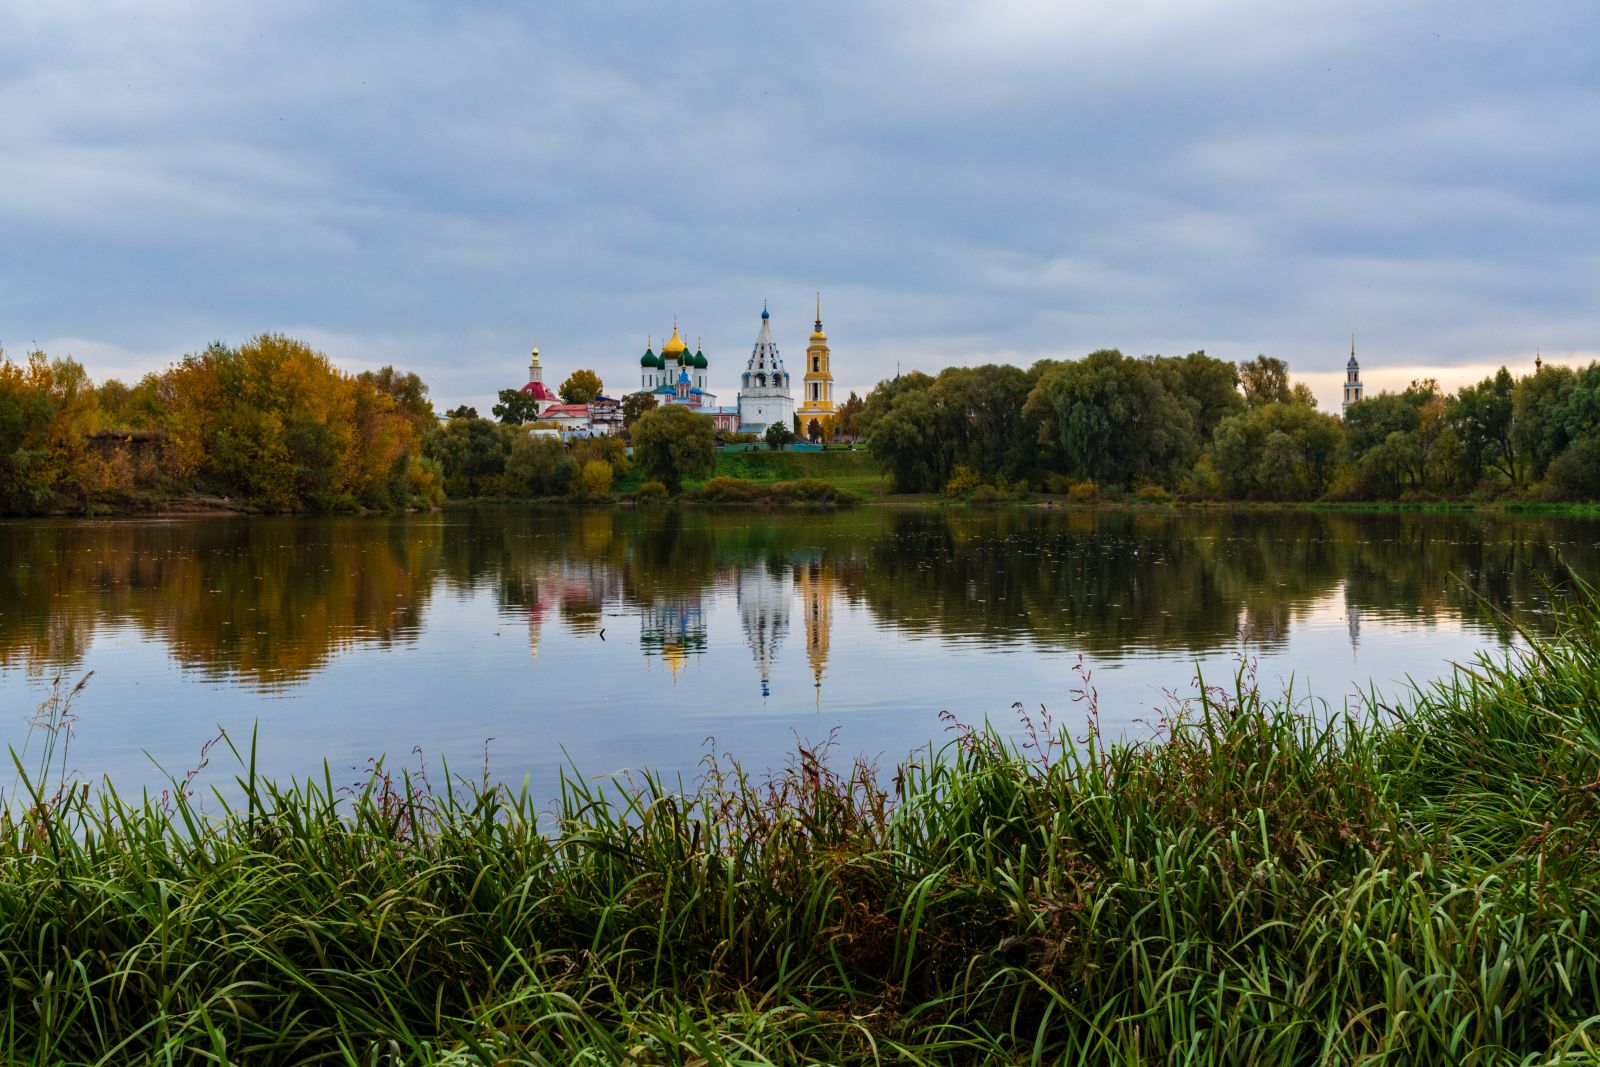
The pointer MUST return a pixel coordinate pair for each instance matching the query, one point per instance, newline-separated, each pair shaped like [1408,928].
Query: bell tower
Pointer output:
[1352,378]
[817,413]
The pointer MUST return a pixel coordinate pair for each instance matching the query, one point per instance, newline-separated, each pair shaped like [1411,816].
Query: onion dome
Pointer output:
[538,390]
[674,347]
[649,359]
[699,360]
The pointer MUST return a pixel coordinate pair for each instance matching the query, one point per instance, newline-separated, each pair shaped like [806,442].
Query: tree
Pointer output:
[1540,413]
[633,406]
[595,478]
[848,424]
[409,392]
[462,412]
[1277,452]
[539,466]
[1110,419]
[516,407]
[468,451]
[1207,386]
[777,436]
[1265,381]
[580,387]
[901,439]
[1482,418]
[673,443]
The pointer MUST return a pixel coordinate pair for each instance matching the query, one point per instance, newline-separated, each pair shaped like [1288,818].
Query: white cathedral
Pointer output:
[764,396]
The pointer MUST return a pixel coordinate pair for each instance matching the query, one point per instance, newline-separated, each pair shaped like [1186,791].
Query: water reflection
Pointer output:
[269,603]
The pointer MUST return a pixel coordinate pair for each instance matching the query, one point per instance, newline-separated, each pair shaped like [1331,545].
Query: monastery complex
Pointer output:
[675,375]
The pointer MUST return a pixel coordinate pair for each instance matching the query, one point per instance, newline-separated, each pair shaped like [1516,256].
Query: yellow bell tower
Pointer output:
[817,413]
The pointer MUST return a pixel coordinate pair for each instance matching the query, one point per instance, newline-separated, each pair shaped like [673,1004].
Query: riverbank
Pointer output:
[1268,883]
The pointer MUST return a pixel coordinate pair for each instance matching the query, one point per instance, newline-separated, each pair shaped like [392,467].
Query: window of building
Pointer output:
[816,363]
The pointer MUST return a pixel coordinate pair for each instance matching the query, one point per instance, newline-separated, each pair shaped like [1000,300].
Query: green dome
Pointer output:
[649,359]
[700,360]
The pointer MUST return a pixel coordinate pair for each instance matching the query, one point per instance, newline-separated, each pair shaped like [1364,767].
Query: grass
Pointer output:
[1269,882]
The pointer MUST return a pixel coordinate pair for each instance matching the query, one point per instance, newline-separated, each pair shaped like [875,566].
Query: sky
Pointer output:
[435,186]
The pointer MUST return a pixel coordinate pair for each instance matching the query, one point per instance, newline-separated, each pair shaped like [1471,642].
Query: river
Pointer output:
[618,640]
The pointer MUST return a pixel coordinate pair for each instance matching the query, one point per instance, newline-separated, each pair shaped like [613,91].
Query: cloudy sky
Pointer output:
[435,185]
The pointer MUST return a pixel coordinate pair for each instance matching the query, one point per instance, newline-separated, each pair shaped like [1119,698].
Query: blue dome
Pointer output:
[764,312]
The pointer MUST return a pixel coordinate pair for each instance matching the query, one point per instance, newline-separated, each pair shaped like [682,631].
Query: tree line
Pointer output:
[275,424]
[271,422]
[1212,429]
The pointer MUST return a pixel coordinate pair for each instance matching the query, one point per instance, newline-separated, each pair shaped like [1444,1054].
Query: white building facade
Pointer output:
[764,397]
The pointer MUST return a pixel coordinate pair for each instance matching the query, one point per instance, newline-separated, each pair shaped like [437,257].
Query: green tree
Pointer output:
[468,451]
[901,439]
[633,406]
[1540,428]
[580,387]
[464,411]
[1111,419]
[539,466]
[672,444]
[1482,418]
[777,436]
[1575,474]
[1207,386]
[516,407]
[1283,451]
[1265,381]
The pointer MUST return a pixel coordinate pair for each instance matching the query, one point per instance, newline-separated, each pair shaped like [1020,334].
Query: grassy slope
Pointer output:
[1265,887]
[854,471]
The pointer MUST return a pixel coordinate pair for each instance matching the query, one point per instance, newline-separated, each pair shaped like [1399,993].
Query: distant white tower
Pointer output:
[764,389]
[1352,377]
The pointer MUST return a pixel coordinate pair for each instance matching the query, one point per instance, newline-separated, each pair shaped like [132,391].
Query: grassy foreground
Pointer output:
[1265,886]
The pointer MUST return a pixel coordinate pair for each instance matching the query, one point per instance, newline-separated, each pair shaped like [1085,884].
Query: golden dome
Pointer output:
[675,344]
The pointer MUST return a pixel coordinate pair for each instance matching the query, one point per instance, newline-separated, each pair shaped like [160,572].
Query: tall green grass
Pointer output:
[1268,883]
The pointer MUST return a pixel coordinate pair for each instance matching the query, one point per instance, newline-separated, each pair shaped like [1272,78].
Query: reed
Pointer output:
[1270,882]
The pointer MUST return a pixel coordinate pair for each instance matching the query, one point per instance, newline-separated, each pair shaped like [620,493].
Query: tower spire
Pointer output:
[819,309]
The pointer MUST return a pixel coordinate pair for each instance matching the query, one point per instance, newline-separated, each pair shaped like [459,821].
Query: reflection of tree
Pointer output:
[273,600]
[266,600]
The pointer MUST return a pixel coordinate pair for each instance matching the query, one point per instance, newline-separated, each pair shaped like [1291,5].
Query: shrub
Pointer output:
[595,478]
[1083,492]
[987,494]
[962,481]
[1152,492]
[651,492]
[723,490]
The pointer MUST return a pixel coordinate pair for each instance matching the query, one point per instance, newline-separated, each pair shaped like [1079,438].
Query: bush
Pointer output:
[1083,492]
[987,494]
[651,492]
[1152,493]
[595,478]
[962,481]
[725,490]
[778,435]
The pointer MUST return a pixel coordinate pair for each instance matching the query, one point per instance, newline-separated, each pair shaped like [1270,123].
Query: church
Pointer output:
[764,397]
[677,376]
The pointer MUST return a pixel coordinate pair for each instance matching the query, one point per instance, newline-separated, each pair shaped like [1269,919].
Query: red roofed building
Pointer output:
[542,393]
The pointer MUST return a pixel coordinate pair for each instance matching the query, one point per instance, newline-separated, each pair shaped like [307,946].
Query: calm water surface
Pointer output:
[624,640]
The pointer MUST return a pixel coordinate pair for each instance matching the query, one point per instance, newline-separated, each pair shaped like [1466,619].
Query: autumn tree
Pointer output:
[580,387]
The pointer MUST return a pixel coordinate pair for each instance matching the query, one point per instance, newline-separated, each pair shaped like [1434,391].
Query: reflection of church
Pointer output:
[764,612]
[766,599]
[673,629]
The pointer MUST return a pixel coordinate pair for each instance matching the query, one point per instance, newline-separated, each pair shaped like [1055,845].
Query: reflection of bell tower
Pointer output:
[764,611]
[815,580]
